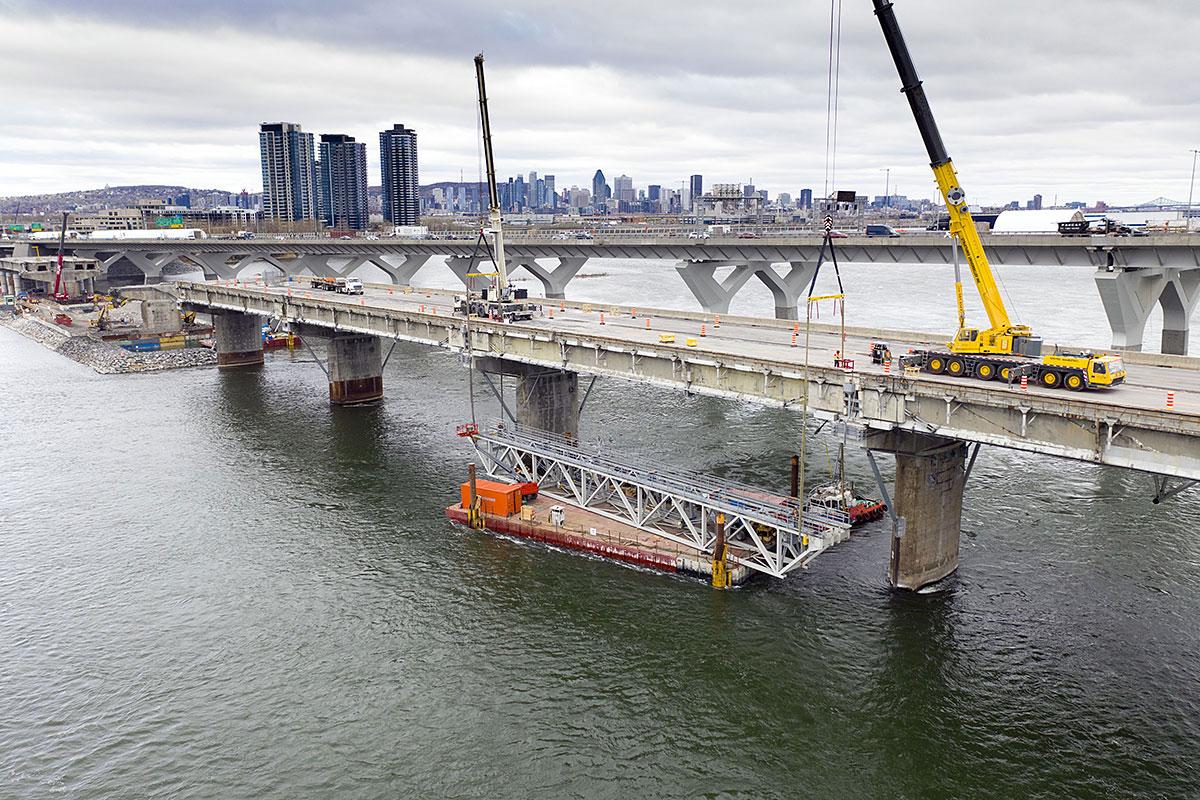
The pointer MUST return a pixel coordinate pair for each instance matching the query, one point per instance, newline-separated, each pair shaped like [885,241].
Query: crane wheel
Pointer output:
[937,365]
[1075,382]
[1051,379]
[955,367]
[1005,374]
[986,371]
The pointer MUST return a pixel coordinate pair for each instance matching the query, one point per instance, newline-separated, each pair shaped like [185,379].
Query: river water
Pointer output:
[215,585]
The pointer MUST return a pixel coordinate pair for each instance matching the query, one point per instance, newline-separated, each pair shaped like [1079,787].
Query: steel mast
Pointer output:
[494,215]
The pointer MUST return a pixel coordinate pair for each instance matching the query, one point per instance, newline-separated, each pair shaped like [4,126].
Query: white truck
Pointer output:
[339,285]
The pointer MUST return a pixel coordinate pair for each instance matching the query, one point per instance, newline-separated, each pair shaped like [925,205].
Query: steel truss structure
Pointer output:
[765,531]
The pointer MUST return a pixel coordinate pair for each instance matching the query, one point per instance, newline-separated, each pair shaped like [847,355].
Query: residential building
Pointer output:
[398,165]
[288,171]
[342,190]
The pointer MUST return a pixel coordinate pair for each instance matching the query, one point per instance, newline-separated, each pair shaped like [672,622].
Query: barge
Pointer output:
[517,510]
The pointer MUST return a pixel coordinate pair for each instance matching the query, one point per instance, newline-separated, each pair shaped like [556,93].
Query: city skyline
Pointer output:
[1040,109]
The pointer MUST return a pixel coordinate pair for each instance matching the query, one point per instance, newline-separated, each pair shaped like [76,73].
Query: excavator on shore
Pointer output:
[1004,351]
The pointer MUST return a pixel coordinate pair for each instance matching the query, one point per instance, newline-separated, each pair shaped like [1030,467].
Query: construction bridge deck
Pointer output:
[755,360]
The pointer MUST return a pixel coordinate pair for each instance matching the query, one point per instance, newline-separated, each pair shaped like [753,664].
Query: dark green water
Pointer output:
[217,586]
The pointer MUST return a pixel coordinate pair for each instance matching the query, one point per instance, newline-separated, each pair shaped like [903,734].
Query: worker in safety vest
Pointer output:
[837,358]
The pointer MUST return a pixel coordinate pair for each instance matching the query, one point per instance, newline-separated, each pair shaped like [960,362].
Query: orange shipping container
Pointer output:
[501,499]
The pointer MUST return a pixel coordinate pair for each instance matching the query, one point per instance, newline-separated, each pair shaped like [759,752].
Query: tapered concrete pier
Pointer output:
[238,339]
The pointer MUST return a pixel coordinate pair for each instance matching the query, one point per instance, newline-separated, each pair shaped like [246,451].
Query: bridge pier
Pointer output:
[402,269]
[554,281]
[1129,296]
[715,295]
[355,369]
[238,339]
[930,479]
[547,399]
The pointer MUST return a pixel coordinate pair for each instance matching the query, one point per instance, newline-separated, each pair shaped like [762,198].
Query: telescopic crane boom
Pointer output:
[1004,351]
[1003,337]
[495,218]
[60,291]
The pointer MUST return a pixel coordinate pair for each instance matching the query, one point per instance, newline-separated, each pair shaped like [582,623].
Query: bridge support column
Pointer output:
[1179,299]
[400,269]
[930,479]
[463,266]
[355,369]
[547,399]
[788,288]
[1129,295]
[238,339]
[713,294]
[554,282]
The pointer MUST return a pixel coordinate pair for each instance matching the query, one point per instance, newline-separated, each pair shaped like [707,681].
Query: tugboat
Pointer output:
[841,497]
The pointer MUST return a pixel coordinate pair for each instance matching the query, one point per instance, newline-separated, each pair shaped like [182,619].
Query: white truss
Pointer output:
[764,531]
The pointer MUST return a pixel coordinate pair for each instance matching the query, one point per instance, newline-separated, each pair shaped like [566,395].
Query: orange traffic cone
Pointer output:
[601,317]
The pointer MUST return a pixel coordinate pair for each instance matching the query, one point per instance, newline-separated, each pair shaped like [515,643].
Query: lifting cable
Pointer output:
[826,248]
[832,86]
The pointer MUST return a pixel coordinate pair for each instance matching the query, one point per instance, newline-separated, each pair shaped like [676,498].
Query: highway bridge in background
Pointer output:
[1133,275]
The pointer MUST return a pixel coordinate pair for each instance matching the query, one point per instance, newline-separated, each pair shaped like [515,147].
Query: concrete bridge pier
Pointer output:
[554,281]
[355,369]
[401,269]
[715,295]
[547,399]
[238,339]
[930,479]
[464,266]
[1129,295]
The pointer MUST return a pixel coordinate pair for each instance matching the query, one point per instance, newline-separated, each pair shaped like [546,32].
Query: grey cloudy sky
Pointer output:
[1080,99]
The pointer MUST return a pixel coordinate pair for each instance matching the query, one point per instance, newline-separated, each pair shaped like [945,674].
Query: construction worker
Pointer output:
[837,358]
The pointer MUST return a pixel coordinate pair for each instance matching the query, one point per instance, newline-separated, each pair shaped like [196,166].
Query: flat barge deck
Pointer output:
[594,534]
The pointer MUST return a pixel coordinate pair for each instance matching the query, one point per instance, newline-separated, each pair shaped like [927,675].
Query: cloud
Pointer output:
[1080,98]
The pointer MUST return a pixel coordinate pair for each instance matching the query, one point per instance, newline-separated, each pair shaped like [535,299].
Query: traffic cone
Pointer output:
[702,331]
[634,310]
[551,313]
[887,367]
[795,329]
[717,324]
[1170,401]
[601,317]
[647,323]
[1024,383]
[793,340]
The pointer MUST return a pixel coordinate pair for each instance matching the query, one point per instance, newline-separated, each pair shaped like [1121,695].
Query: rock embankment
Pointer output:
[105,357]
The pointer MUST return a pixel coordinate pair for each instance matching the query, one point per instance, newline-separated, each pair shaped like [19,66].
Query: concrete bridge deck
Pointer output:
[755,360]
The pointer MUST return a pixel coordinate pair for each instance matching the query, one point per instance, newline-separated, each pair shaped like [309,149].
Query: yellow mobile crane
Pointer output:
[1005,350]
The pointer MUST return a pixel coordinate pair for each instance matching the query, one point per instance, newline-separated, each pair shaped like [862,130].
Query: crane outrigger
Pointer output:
[1005,349]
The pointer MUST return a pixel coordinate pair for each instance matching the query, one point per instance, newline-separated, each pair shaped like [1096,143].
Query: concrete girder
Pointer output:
[554,281]
[1129,296]
[149,264]
[216,265]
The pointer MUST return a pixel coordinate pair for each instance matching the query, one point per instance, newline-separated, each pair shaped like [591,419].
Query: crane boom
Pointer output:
[1003,336]
[60,292]
[494,215]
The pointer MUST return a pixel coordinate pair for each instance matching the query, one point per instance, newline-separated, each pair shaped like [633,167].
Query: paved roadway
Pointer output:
[1146,386]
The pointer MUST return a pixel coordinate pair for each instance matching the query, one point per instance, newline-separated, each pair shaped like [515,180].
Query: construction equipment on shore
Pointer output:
[60,291]
[1006,350]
